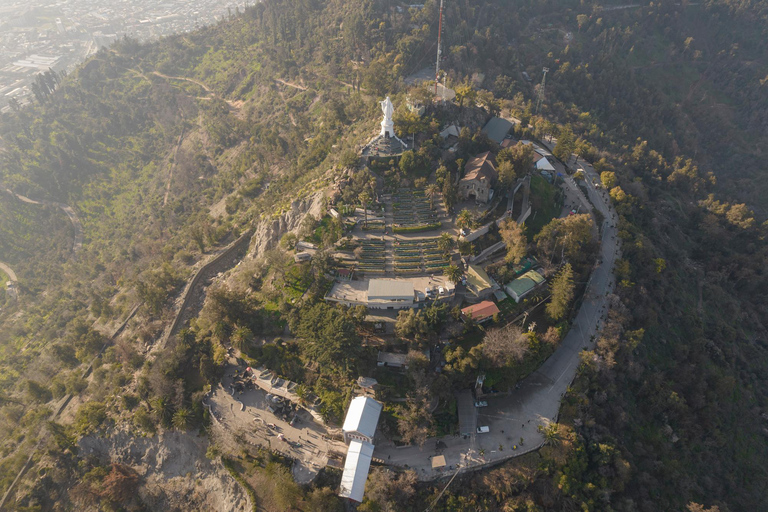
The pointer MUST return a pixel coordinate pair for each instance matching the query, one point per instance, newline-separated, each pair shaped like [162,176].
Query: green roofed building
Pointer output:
[524,285]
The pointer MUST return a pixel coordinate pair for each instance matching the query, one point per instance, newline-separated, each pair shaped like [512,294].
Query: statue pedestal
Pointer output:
[388,128]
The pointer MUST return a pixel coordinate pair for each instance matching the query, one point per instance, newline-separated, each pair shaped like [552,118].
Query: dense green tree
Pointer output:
[329,336]
[566,143]
[561,288]
[453,273]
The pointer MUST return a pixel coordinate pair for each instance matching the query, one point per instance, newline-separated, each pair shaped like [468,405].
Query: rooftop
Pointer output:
[478,280]
[526,282]
[390,289]
[363,416]
[392,359]
[481,311]
[481,166]
[356,469]
[467,413]
[497,128]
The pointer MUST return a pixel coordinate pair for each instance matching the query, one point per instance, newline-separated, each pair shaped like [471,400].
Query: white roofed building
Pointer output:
[362,419]
[390,294]
[356,469]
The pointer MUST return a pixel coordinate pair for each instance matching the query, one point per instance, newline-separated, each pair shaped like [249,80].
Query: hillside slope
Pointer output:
[171,150]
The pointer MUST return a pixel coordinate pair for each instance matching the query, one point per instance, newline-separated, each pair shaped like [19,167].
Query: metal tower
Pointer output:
[439,48]
[540,96]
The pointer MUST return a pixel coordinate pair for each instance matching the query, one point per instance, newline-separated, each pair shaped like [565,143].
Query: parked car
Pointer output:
[483,430]
[441,290]
[481,403]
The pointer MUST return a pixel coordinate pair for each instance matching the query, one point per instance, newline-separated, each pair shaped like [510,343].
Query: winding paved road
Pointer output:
[537,400]
[73,218]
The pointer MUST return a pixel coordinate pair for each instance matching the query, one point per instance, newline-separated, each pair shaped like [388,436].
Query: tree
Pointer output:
[465,92]
[411,324]
[507,174]
[198,235]
[570,236]
[565,144]
[389,491]
[697,507]
[181,419]
[520,157]
[288,241]
[464,219]
[608,179]
[505,345]
[241,338]
[364,199]
[445,243]
[120,485]
[561,289]
[551,433]
[513,234]
[582,20]
[408,162]
[431,191]
[415,422]
[38,392]
[453,273]
[349,159]
[449,194]
[90,416]
[324,499]
[329,335]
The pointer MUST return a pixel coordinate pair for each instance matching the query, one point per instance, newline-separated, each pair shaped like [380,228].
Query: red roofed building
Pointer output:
[481,312]
[479,176]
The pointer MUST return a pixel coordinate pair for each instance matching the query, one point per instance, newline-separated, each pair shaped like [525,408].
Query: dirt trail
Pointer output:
[73,218]
[289,84]
[207,89]
[8,270]
[170,171]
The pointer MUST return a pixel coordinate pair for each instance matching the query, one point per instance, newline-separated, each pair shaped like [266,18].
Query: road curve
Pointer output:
[8,270]
[536,402]
[68,210]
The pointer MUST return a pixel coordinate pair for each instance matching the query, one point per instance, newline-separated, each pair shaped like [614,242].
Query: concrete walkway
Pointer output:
[537,400]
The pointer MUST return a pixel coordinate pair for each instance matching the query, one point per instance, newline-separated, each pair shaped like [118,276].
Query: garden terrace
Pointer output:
[413,212]
[372,259]
[423,255]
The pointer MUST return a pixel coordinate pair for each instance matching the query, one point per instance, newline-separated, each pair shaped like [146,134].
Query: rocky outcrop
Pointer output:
[175,474]
[269,231]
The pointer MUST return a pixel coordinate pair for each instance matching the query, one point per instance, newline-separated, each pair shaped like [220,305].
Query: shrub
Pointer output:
[90,417]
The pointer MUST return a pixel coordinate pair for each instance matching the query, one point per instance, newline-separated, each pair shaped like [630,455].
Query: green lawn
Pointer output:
[546,203]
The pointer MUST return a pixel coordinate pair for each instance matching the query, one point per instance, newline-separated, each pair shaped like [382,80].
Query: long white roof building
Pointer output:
[356,469]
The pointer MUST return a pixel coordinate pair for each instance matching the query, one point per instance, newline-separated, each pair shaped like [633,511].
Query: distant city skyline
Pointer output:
[37,35]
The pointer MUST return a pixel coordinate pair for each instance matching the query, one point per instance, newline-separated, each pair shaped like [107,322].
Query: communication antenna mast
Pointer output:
[439,39]
[540,97]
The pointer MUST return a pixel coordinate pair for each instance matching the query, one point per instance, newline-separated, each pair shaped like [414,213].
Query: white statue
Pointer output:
[387,126]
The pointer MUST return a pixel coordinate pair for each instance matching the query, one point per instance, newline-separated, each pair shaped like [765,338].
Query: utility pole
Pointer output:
[439,48]
[540,96]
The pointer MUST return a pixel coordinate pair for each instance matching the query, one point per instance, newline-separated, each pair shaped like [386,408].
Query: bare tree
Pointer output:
[503,345]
